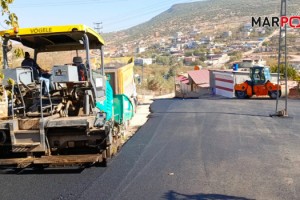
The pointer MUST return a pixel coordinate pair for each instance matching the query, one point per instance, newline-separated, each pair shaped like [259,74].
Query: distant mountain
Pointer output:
[180,17]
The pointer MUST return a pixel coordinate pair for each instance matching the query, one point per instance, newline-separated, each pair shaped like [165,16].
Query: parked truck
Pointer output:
[121,77]
[72,124]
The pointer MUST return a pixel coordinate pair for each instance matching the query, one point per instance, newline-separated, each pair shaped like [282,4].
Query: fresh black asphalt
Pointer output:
[196,149]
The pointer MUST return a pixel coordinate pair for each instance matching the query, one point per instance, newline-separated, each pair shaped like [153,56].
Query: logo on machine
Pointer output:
[41,30]
[292,21]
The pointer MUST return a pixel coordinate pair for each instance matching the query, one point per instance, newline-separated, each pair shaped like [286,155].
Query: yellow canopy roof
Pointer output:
[55,38]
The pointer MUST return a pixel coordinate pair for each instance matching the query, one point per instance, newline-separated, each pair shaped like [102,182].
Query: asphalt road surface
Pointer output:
[195,149]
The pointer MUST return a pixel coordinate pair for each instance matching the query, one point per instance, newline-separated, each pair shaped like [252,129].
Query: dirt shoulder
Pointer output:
[142,113]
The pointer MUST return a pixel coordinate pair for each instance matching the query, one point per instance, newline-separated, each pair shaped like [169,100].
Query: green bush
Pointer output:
[292,74]
[158,83]
[164,60]
[155,83]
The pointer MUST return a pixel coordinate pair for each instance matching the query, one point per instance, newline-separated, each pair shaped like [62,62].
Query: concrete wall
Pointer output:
[241,76]
[224,84]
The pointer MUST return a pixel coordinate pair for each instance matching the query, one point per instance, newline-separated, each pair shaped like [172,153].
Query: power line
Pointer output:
[126,19]
[150,9]
[157,6]
[130,14]
[75,2]
[66,3]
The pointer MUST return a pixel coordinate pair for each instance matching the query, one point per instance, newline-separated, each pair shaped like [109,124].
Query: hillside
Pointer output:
[181,17]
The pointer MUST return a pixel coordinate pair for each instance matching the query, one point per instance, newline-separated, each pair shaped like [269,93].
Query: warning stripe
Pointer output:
[224,88]
[224,84]
[224,80]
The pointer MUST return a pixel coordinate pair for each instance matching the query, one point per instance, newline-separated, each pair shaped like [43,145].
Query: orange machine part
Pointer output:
[249,91]
[260,90]
[241,86]
[271,87]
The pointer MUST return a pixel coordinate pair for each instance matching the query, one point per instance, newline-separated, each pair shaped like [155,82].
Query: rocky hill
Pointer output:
[181,17]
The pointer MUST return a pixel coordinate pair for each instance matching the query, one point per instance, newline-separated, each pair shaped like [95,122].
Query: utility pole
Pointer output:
[98,26]
[282,60]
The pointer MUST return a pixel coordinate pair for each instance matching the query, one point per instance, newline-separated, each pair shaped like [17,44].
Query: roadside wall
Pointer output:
[223,84]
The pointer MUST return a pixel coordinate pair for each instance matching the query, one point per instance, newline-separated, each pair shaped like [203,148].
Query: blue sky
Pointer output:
[114,14]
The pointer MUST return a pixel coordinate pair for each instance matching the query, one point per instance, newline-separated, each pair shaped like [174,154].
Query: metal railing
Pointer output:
[41,99]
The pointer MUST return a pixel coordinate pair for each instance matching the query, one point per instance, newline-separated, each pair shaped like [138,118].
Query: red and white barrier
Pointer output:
[224,84]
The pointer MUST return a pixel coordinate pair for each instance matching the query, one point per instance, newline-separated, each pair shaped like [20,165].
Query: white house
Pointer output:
[207,39]
[217,60]
[140,49]
[143,61]
[178,35]
[252,61]
[227,34]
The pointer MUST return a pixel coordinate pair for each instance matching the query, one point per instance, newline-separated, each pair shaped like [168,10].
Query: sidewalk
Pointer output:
[142,112]
[140,117]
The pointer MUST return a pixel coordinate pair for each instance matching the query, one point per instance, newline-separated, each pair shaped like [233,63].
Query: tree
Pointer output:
[164,60]
[12,19]
[200,51]
[197,62]
[203,58]
[155,83]
[172,71]
[236,55]
[188,53]
[291,72]
[266,43]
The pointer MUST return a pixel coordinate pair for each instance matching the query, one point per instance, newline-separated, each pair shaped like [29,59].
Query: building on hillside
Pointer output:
[178,35]
[140,49]
[124,49]
[143,61]
[207,39]
[192,45]
[260,30]
[190,60]
[248,27]
[217,60]
[174,50]
[227,34]
[194,32]
[141,42]
[245,34]
[252,61]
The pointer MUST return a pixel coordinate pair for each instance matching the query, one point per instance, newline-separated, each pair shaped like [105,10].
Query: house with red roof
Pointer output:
[193,85]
